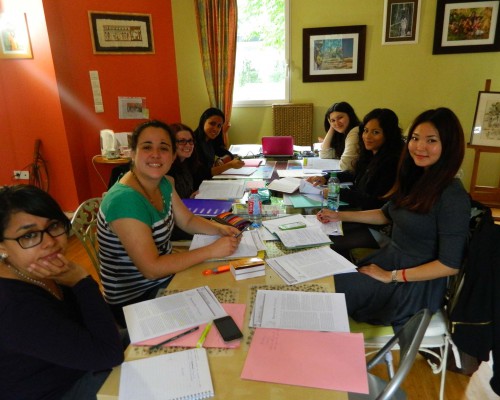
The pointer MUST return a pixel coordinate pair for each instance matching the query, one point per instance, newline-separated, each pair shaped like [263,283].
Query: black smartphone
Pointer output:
[228,328]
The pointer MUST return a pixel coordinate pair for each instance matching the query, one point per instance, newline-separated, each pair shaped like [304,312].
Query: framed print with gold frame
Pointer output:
[14,36]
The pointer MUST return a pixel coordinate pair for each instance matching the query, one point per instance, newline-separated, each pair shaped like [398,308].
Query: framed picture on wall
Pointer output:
[118,33]
[486,128]
[466,27]
[334,54]
[14,36]
[401,21]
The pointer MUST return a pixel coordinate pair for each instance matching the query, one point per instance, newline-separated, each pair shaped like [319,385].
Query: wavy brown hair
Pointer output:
[417,189]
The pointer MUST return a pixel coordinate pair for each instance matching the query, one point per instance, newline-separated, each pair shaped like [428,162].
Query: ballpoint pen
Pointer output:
[159,345]
[203,336]
[217,270]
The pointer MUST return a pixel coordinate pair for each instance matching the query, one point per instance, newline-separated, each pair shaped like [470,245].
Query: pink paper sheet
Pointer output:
[237,311]
[327,360]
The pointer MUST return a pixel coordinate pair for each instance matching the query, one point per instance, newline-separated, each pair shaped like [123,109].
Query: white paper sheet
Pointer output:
[152,318]
[325,164]
[304,266]
[232,189]
[300,310]
[248,246]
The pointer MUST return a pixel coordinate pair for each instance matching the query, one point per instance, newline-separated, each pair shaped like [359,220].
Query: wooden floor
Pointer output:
[421,383]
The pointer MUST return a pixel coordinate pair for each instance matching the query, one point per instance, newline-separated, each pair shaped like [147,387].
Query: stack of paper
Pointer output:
[233,189]
[285,185]
[308,265]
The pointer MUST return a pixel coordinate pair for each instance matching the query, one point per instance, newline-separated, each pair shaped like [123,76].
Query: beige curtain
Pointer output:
[217,22]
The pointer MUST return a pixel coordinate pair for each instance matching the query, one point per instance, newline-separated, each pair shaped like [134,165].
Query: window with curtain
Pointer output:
[262,73]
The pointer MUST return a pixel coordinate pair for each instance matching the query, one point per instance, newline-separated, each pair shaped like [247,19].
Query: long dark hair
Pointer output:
[200,131]
[393,143]
[193,162]
[338,139]
[416,188]
[31,200]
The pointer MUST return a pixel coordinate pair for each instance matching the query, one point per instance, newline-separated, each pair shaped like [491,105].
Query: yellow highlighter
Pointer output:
[203,336]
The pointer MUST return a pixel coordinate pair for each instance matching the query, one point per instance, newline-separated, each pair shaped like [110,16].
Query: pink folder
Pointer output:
[326,360]
[237,311]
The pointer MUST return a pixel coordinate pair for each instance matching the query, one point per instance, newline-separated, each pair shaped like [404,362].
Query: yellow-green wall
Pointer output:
[406,78]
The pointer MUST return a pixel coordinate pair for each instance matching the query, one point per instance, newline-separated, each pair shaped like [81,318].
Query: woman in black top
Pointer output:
[186,169]
[380,144]
[215,158]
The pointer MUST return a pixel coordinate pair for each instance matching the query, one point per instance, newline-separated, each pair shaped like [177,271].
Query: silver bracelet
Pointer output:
[394,276]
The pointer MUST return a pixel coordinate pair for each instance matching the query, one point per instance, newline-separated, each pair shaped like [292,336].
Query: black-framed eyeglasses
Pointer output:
[34,238]
[184,142]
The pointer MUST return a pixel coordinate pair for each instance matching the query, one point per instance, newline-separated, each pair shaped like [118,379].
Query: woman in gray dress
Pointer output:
[430,211]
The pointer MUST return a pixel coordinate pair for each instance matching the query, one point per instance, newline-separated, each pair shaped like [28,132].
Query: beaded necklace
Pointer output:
[35,281]
[150,198]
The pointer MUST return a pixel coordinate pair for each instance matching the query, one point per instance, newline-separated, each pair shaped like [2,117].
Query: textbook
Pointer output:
[247,268]
[174,376]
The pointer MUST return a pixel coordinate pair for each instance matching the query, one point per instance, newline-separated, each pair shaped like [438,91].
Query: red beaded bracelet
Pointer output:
[403,274]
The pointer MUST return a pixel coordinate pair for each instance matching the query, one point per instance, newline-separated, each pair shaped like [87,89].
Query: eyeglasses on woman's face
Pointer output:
[34,238]
[183,142]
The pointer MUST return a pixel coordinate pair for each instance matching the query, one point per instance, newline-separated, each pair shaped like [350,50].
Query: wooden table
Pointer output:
[226,364]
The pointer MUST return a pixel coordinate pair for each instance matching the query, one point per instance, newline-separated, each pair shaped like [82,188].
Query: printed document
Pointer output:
[232,189]
[325,164]
[152,318]
[307,311]
[248,247]
[304,266]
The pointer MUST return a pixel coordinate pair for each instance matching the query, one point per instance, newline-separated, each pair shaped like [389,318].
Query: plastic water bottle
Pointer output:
[333,199]
[255,208]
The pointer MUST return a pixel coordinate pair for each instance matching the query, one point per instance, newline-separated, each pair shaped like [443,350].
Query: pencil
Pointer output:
[158,345]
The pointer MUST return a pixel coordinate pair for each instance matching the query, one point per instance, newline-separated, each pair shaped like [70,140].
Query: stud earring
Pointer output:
[3,256]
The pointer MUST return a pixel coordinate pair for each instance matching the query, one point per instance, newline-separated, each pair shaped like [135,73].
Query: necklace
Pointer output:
[150,198]
[35,281]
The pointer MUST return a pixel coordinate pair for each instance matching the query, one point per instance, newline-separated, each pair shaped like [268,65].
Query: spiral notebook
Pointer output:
[174,376]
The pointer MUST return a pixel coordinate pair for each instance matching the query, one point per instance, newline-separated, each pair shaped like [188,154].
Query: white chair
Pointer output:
[84,226]
[408,340]
[436,337]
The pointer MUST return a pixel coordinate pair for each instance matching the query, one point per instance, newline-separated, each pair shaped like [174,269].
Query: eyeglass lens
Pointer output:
[34,238]
[183,142]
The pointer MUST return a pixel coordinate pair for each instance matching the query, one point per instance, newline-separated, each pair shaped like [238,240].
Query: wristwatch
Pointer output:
[394,276]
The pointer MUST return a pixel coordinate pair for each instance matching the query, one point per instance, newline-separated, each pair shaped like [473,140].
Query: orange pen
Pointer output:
[217,270]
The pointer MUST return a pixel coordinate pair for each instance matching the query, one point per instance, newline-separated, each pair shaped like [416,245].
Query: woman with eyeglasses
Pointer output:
[214,157]
[341,140]
[186,168]
[58,339]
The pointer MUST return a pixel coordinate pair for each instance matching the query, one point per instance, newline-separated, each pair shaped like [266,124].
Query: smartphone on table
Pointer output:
[228,328]
[292,225]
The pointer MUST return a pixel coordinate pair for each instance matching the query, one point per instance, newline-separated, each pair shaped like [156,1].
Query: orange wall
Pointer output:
[31,110]
[72,124]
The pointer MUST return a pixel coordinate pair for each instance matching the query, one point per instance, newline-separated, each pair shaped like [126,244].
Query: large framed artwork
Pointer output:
[401,21]
[486,128]
[14,36]
[119,33]
[334,53]
[466,27]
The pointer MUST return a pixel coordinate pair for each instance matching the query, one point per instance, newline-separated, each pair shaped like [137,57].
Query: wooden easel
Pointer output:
[487,195]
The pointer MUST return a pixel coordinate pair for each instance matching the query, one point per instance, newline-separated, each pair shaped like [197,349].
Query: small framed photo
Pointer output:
[486,128]
[401,21]
[334,54]
[132,108]
[116,33]
[466,27]
[14,36]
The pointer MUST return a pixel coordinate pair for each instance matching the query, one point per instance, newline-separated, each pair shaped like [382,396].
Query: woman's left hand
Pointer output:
[59,269]
[376,272]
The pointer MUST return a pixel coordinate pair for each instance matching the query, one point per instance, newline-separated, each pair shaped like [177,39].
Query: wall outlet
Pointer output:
[25,175]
